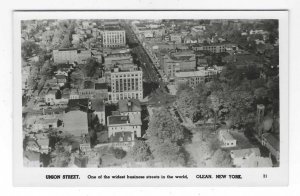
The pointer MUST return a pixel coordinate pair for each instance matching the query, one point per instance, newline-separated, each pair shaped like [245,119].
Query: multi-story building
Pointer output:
[191,78]
[123,123]
[175,62]
[120,58]
[126,84]
[214,48]
[71,55]
[113,37]
[74,94]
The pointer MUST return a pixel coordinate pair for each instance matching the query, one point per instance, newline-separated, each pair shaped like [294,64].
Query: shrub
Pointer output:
[119,153]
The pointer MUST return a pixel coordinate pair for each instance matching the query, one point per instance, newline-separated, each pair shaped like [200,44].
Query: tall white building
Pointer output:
[126,84]
[114,37]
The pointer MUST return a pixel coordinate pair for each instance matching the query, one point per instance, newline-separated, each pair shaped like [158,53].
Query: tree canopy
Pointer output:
[166,137]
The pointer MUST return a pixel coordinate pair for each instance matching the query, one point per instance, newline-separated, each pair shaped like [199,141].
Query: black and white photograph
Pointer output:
[151,92]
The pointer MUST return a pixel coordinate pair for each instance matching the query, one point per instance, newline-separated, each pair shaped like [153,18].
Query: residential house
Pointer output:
[41,123]
[32,145]
[51,96]
[249,157]
[226,139]
[61,79]
[74,94]
[43,141]
[122,140]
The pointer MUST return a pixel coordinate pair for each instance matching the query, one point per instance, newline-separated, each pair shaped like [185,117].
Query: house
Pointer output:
[98,107]
[40,123]
[132,106]
[51,83]
[122,140]
[272,143]
[43,141]
[121,123]
[226,139]
[61,79]
[85,145]
[32,145]
[74,94]
[241,157]
[258,41]
[257,161]
[51,96]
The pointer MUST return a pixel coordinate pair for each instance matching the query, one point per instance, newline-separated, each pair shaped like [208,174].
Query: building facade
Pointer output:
[114,38]
[123,124]
[126,85]
[71,55]
[173,63]
[191,78]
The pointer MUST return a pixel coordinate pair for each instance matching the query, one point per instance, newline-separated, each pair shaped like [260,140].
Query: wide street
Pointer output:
[151,76]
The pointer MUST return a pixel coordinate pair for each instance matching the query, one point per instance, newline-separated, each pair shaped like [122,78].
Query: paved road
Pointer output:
[150,72]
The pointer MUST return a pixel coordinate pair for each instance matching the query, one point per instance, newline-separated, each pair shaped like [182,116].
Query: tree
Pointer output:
[166,137]
[47,70]
[65,43]
[90,67]
[221,158]
[170,155]
[140,151]
[163,127]
[41,83]
[186,103]
[77,78]
[119,153]
[28,49]
[60,157]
